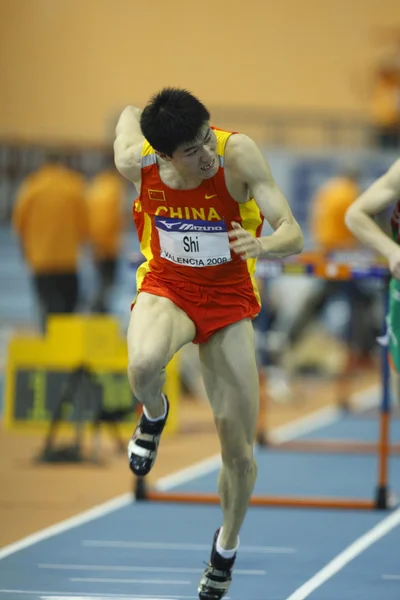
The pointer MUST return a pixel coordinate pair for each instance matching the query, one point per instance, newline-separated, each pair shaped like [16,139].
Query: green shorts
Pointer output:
[393,323]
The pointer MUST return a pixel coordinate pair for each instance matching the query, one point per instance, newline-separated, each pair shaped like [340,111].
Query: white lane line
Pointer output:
[80,519]
[285,433]
[323,417]
[199,469]
[317,420]
[182,547]
[391,577]
[345,557]
[132,569]
[366,399]
[116,580]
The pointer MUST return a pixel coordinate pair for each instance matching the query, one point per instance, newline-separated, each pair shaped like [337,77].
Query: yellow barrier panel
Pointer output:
[38,367]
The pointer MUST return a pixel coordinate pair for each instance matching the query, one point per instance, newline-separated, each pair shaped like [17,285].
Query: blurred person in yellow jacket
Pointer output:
[328,209]
[105,195]
[51,220]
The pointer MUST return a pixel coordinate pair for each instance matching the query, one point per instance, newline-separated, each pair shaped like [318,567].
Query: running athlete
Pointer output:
[381,195]
[203,194]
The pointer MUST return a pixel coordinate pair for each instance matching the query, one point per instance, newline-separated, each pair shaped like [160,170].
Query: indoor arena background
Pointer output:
[317,85]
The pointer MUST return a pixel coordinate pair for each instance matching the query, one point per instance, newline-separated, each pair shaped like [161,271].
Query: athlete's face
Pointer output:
[198,157]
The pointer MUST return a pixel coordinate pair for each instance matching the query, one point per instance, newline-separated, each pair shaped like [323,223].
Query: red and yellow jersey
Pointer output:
[183,233]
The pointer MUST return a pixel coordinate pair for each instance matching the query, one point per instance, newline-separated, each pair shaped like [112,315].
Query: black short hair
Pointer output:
[172,117]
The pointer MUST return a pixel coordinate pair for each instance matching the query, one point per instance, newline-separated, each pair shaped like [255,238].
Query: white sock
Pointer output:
[158,418]
[222,551]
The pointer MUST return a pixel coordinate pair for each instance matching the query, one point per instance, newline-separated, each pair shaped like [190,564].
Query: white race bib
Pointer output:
[193,243]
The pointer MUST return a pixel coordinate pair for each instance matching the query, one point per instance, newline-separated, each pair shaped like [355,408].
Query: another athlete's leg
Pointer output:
[395,381]
[157,330]
[232,383]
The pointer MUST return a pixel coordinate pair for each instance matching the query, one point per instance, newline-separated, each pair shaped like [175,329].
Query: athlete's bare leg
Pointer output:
[157,330]
[395,382]
[232,383]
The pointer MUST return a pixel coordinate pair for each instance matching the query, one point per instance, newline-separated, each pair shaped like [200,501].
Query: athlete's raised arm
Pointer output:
[128,143]
[384,192]
[253,170]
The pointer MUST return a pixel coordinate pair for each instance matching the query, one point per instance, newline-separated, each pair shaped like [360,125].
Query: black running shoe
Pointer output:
[143,446]
[217,576]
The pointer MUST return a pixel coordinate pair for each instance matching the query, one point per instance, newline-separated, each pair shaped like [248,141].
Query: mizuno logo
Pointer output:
[191,227]
[208,197]
[170,225]
[196,225]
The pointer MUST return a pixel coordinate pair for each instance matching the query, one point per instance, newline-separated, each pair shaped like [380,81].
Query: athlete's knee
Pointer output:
[144,370]
[241,463]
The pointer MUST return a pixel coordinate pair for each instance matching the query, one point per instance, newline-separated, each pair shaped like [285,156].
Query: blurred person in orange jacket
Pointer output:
[328,209]
[51,221]
[105,204]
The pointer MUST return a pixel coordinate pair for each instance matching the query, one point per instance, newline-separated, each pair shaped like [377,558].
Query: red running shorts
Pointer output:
[210,308]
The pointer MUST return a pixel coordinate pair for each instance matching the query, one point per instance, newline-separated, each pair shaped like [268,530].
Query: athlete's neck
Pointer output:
[177,180]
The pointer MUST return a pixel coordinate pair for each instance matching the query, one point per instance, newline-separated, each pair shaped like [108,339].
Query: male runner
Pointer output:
[203,194]
[382,194]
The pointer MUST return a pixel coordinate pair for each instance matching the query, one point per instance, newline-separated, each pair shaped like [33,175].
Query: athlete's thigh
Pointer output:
[158,328]
[231,379]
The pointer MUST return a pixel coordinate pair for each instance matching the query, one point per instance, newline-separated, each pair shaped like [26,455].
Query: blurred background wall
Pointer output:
[316,83]
[67,67]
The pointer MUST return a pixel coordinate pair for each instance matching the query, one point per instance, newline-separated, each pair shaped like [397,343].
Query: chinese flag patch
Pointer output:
[157,195]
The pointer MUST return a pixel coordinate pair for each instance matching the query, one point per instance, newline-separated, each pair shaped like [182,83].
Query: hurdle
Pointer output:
[325,267]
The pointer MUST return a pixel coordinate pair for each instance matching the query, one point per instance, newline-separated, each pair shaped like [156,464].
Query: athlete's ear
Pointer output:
[163,155]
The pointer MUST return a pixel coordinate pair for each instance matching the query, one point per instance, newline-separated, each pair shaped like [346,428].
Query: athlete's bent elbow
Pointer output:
[126,168]
[298,244]
[350,219]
